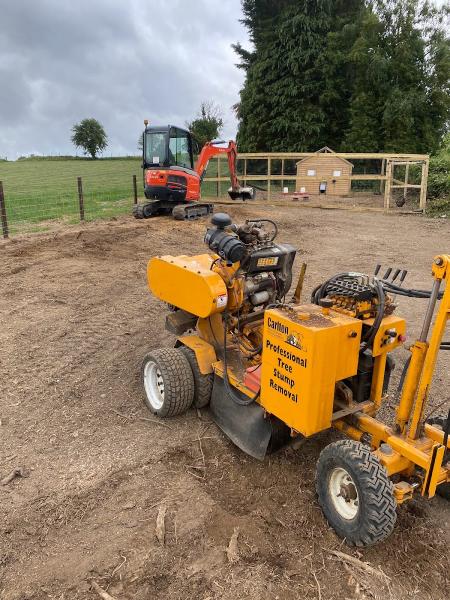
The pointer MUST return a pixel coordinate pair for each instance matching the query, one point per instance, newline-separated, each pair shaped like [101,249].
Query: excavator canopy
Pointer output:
[169,147]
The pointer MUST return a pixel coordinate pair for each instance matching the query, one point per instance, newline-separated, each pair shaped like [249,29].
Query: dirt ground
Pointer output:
[76,319]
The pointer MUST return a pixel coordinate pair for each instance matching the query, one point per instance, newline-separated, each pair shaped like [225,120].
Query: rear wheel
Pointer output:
[440,422]
[203,384]
[355,493]
[168,382]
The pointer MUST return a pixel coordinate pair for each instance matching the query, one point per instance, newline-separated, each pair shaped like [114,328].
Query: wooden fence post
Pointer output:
[269,173]
[383,172]
[81,198]
[424,185]
[405,189]
[3,213]
[135,189]
[387,187]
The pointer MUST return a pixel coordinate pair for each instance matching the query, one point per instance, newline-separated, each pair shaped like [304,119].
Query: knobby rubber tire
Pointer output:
[377,513]
[178,381]
[203,384]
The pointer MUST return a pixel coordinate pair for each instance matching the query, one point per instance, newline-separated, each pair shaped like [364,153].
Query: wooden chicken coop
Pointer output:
[324,173]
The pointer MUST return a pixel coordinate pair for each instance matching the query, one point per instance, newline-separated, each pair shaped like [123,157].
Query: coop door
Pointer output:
[323,187]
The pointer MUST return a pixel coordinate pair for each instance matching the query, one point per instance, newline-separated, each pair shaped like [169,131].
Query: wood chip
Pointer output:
[156,422]
[233,549]
[359,563]
[160,524]
[17,472]
[101,592]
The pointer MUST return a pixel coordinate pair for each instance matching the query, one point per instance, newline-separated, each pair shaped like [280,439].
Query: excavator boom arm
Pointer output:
[209,150]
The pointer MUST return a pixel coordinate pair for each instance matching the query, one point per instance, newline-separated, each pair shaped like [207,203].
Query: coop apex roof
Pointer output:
[325,150]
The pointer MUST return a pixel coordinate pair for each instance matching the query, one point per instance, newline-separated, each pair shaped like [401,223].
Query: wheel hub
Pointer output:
[344,493]
[154,385]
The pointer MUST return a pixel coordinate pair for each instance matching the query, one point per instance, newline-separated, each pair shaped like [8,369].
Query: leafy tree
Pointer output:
[439,174]
[402,61]
[89,135]
[208,123]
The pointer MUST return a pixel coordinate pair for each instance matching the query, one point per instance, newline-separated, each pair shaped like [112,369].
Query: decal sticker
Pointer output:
[222,300]
[270,261]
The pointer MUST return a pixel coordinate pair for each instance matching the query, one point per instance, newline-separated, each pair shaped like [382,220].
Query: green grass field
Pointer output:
[37,191]
[41,190]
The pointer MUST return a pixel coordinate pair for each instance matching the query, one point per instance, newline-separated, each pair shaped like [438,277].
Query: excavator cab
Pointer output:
[165,147]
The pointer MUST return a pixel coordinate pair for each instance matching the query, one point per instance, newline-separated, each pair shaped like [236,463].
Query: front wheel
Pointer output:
[355,493]
[168,382]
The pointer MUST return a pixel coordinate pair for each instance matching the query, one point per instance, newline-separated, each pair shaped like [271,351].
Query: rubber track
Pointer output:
[138,212]
[202,383]
[178,380]
[191,211]
[380,513]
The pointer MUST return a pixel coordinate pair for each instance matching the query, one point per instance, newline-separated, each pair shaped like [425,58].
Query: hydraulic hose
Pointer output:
[380,314]
[409,293]
[321,291]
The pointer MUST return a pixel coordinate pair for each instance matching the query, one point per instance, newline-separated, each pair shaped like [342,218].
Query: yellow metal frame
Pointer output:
[404,448]
[409,448]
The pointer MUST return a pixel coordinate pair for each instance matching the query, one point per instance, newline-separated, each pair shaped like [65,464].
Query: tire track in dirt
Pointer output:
[78,362]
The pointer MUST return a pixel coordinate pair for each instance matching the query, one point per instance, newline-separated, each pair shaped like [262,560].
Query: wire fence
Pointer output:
[37,195]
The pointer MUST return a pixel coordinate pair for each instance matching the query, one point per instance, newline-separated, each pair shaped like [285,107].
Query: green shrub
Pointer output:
[439,176]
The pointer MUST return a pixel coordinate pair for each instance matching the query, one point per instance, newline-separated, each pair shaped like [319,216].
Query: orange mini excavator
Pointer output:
[172,182]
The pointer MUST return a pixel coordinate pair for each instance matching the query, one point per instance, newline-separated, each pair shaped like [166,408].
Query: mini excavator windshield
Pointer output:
[168,147]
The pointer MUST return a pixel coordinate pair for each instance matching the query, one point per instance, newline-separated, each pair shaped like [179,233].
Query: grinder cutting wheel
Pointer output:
[272,370]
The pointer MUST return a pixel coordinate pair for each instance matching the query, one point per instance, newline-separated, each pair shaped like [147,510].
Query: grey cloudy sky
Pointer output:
[116,60]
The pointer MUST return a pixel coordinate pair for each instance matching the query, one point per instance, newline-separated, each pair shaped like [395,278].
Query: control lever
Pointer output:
[402,279]
[396,274]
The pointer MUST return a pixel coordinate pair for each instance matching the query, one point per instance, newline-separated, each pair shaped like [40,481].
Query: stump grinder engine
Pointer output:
[272,370]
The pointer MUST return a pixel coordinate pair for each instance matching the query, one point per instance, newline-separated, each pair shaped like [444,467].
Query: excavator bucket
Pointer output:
[242,193]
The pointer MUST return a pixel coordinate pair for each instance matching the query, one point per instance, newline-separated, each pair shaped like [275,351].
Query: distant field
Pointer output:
[41,190]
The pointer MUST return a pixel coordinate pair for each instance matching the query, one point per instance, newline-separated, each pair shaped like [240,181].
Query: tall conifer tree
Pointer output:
[350,74]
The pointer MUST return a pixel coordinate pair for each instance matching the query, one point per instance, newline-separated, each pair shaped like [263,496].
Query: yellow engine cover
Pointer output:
[188,283]
[306,350]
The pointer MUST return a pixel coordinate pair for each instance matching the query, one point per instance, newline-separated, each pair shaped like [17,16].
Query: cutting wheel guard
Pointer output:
[247,426]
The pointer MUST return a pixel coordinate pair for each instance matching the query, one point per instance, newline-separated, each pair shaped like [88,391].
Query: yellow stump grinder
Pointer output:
[271,369]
